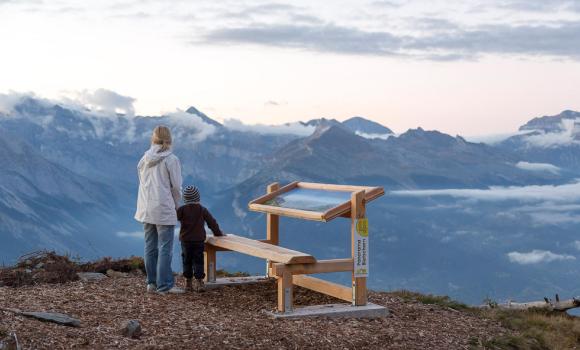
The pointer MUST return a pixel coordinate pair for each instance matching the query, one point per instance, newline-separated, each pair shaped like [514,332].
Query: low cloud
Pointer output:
[373,136]
[551,207]
[136,234]
[190,122]
[493,139]
[542,167]
[569,134]
[9,100]
[568,193]
[537,256]
[553,218]
[106,101]
[288,128]
[101,110]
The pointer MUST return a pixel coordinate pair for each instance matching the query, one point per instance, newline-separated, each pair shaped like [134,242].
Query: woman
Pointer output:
[159,196]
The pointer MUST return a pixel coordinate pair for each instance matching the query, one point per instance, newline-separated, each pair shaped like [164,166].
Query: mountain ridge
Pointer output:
[437,224]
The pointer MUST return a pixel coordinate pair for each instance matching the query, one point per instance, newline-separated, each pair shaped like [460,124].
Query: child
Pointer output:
[193,216]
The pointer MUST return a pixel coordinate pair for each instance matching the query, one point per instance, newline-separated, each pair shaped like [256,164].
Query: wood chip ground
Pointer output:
[227,318]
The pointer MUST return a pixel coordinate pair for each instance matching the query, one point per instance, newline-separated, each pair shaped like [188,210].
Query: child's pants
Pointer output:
[192,257]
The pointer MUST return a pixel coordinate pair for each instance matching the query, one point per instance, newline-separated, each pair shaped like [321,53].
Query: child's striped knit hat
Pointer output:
[191,195]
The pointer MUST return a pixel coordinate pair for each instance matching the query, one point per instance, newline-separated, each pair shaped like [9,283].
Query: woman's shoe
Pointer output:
[174,290]
[151,288]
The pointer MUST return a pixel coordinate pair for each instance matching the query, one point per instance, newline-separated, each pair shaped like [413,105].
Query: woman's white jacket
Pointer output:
[159,187]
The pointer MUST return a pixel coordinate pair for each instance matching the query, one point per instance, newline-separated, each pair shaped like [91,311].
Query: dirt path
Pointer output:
[231,317]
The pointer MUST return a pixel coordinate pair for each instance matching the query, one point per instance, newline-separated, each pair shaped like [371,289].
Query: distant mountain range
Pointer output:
[69,183]
[549,139]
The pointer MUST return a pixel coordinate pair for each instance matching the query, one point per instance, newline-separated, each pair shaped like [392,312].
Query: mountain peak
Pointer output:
[321,122]
[360,125]
[431,137]
[551,123]
[203,116]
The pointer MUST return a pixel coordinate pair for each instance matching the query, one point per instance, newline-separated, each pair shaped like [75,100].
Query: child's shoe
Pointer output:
[188,285]
[199,287]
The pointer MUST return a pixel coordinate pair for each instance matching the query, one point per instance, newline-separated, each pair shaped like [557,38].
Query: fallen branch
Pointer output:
[546,304]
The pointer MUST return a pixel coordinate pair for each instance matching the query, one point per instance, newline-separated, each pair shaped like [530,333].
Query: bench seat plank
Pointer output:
[260,249]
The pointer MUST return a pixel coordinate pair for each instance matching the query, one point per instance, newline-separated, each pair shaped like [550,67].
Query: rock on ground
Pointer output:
[116,274]
[91,276]
[131,329]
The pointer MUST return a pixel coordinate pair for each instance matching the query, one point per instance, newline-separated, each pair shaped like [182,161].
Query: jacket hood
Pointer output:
[154,157]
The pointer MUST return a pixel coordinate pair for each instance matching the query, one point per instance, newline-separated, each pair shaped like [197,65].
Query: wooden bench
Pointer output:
[260,249]
[281,257]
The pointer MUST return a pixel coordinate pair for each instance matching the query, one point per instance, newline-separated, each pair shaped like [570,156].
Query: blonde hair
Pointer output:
[161,136]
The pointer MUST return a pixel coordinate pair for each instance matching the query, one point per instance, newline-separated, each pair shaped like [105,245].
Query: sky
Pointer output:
[463,67]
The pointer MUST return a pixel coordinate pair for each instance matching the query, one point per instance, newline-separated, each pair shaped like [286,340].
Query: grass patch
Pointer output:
[107,263]
[50,267]
[429,299]
[509,342]
[535,329]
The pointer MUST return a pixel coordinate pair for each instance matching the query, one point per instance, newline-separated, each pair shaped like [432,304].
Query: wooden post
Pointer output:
[209,264]
[272,227]
[359,284]
[285,293]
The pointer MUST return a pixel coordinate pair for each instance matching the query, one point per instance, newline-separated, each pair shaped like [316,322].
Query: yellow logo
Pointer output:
[362,227]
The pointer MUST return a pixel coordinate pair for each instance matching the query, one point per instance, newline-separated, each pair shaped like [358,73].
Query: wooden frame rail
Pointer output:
[320,266]
[341,210]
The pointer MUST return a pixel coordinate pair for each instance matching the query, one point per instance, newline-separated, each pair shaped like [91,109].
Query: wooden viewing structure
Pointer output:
[291,267]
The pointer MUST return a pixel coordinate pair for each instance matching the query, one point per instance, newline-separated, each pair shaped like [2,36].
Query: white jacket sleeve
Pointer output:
[174,168]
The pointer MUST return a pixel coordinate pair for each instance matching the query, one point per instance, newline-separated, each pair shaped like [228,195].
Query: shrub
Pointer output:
[443,301]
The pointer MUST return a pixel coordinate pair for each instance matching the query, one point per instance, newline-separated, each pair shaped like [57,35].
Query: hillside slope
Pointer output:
[44,204]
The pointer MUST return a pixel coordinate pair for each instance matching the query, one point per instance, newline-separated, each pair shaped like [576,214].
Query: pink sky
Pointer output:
[467,68]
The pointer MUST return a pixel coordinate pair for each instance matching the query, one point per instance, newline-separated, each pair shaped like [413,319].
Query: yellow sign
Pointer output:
[361,248]
[362,227]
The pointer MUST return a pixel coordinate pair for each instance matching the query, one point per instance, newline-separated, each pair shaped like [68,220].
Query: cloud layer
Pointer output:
[101,109]
[568,193]
[461,43]
[537,257]
[373,136]
[569,134]
[543,167]
[433,37]
[190,122]
[420,29]
[288,128]
[106,101]
[136,234]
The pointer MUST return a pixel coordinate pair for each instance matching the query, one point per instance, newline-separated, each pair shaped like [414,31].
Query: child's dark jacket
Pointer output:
[193,217]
